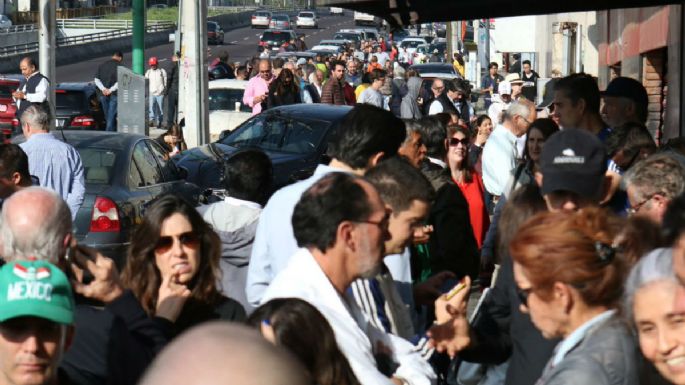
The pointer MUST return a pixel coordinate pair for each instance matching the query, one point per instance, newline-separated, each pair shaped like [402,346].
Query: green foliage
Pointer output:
[164,14]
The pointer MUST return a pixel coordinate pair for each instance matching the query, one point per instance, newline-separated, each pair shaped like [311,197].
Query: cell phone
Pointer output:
[71,258]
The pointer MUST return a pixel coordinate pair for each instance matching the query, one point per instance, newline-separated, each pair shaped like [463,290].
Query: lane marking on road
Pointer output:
[162,59]
[246,37]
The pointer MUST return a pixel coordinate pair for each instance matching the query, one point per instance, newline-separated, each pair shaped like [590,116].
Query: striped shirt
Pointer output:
[58,167]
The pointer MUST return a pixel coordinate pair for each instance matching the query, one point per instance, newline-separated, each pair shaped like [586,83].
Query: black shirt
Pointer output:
[530,85]
[107,73]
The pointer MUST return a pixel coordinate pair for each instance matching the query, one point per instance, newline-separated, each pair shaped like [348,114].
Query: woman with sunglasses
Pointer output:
[173,267]
[569,279]
[284,90]
[469,181]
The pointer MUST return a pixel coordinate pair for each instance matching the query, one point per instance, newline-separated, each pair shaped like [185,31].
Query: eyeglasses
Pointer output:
[188,239]
[454,142]
[524,119]
[634,209]
[523,295]
[383,224]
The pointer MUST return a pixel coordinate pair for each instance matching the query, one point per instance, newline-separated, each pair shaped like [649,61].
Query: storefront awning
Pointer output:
[406,12]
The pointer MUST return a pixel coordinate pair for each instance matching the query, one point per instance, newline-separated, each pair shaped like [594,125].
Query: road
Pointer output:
[240,43]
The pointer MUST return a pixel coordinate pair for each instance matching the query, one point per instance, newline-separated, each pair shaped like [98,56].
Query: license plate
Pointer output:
[3,107]
[60,122]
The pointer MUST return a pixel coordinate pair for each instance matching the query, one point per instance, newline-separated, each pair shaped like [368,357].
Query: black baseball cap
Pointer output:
[573,160]
[630,88]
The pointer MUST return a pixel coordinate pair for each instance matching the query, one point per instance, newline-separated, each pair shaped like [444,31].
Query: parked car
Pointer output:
[215,35]
[77,107]
[226,108]
[8,109]
[295,137]
[280,22]
[124,174]
[440,70]
[307,19]
[261,19]
[5,21]
[344,44]
[297,55]
[274,38]
[369,33]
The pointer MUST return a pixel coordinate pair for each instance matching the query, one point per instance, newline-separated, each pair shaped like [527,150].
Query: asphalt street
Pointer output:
[241,45]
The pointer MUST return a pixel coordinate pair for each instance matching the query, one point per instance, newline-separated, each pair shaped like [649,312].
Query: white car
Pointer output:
[5,21]
[261,19]
[307,19]
[411,43]
[226,108]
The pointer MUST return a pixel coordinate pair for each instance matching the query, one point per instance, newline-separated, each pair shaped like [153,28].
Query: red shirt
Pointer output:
[480,220]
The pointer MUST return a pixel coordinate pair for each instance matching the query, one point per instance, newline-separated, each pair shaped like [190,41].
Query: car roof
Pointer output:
[276,30]
[227,83]
[93,139]
[74,86]
[311,111]
[439,75]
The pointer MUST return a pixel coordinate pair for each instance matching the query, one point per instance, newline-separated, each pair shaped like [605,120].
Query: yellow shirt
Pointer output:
[458,67]
[360,89]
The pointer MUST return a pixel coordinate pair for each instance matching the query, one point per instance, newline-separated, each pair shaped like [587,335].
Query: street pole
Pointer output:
[47,49]
[138,11]
[194,76]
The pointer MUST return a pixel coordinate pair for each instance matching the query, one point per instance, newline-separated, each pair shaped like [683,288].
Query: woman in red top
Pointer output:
[469,181]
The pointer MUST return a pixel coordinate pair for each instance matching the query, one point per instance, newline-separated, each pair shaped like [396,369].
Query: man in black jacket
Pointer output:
[452,245]
[172,90]
[114,339]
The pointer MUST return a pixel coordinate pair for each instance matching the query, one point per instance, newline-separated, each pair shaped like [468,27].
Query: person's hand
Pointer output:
[18,95]
[482,137]
[171,297]
[451,332]
[106,285]
[426,292]
[259,99]
[106,92]
[422,234]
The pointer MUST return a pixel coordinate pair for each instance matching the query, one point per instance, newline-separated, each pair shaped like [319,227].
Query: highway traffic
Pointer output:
[241,44]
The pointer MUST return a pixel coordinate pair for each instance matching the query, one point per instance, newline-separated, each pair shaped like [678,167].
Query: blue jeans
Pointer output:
[159,101]
[109,108]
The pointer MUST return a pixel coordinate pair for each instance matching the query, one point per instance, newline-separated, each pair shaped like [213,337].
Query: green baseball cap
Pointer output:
[35,289]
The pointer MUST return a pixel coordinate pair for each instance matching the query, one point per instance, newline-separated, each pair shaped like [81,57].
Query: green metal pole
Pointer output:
[138,11]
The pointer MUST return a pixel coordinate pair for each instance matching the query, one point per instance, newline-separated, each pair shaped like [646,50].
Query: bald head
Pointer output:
[222,353]
[36,222]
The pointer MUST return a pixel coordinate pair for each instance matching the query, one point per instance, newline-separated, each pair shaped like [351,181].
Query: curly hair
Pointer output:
[141,274]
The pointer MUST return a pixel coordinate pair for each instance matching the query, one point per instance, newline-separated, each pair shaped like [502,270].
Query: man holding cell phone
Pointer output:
[257,88]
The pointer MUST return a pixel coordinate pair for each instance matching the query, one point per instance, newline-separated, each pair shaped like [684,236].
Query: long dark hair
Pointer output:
[279,87]
[300,328]
[465,166]
[141,273]
[546,126]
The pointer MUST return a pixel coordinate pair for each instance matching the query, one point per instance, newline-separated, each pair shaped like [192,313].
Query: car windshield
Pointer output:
[226,98]
[280,18]
[263,14]
[69,99]
[6,90]
[211,27]
[98,164]
[276,36]
[280,134]
[411,43]
[346,36]
[306,15]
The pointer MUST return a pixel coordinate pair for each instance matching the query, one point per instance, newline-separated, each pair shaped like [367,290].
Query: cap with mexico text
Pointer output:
[573,160]
[35,289]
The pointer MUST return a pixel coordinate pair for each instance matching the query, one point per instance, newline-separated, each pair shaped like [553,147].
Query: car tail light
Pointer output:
[254,17]
[286,24]
[262,43]
[105,217]
[83,121]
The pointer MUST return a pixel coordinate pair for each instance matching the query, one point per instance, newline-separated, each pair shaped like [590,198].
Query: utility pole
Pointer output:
[138,16]
[193,83]
[47,49]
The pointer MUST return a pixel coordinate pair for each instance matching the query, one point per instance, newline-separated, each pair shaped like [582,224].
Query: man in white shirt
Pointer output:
[500,153]
[365,135]
[500,102]
[157,88]
[342,224]
[33,88]
[382,56]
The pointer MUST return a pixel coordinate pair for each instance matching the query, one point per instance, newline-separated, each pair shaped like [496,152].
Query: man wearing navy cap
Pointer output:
[625,101]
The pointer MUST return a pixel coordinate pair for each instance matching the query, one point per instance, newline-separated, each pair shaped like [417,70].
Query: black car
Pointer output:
[295,137]
[77,107]
[215,35]
[124,173]
[275,38]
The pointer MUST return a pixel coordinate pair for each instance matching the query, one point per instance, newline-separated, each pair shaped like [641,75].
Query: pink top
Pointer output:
[255,87]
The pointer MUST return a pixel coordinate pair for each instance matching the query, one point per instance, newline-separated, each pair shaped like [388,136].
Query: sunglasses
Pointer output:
[523,295]
[189,240]
[455,142]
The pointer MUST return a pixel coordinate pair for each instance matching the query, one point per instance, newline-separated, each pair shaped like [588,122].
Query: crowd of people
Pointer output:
[533,244]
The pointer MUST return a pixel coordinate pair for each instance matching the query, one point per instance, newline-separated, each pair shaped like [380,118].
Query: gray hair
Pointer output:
[412,126]
[655,266]
[36,117]
[657,174]
[46,241]
[520,108]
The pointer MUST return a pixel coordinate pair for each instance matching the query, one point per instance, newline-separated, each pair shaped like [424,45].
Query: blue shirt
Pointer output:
[274,241]
[58,167]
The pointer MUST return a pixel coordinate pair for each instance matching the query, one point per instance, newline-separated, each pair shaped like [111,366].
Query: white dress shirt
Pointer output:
[498,159]
[39,95]
[356,337]
[274,241]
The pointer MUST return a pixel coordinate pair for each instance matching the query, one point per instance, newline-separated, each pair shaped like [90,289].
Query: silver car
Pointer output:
[280,22]
[261,19]
[307,19]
